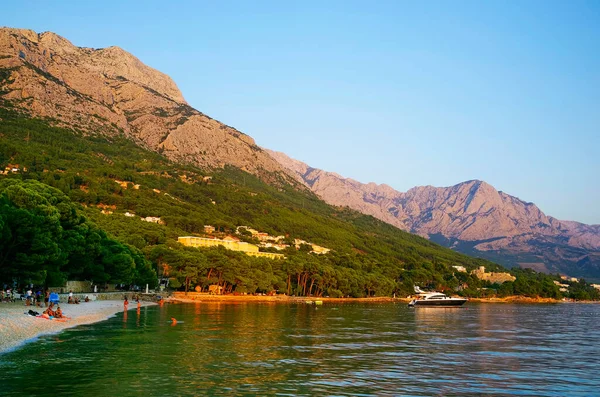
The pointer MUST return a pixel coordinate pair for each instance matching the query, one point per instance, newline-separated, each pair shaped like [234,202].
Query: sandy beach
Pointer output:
[17,328]
[195,297]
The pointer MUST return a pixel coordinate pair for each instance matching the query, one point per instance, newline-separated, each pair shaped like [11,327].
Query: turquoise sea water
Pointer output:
[302,350]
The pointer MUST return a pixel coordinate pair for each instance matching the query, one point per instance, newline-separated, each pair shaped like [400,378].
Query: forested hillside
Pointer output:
[109,176]
[45,240]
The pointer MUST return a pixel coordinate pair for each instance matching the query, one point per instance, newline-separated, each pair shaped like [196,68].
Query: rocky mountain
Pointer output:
[109,91]
[472,217]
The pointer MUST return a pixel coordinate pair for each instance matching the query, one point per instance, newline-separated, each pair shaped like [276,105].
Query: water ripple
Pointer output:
[350,350]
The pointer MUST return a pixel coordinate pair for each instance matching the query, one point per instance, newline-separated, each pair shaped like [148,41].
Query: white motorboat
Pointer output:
[435,299]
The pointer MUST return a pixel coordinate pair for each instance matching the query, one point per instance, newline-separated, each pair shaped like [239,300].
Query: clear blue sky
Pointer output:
[402,93]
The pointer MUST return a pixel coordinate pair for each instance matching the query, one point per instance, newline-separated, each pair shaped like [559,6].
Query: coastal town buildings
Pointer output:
[562,287]
[492,277]
[571,279]
[229,243]
[316,249]
[268,241]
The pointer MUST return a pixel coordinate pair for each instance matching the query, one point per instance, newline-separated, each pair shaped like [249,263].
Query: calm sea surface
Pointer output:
[302,350]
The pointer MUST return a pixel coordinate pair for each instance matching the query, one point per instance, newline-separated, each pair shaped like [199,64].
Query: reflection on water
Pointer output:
[348,349]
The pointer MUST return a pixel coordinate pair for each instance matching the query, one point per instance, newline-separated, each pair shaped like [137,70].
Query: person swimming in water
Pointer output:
[173,321]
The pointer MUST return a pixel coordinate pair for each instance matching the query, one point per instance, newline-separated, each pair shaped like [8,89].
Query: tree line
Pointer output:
[45,240]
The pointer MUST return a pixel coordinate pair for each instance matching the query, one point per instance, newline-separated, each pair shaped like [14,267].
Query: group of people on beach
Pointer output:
[73,299]
[37,298]
[51,313]
[8,295]
[126,302]
[41,298]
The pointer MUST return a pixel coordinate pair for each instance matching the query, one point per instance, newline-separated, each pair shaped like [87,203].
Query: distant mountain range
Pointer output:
[471,217]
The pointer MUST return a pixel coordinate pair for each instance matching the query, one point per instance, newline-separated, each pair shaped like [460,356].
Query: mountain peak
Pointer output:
[472,211]
[27,33]
[110,91]
[55,54]
[56,41]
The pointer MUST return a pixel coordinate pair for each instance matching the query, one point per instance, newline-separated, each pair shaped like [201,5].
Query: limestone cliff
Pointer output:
[109,91]
[472,217]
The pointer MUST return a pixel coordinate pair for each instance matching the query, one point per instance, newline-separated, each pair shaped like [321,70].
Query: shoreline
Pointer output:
[195,297]
[18,328]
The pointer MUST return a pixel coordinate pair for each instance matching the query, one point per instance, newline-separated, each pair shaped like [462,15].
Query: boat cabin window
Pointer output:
[438,297]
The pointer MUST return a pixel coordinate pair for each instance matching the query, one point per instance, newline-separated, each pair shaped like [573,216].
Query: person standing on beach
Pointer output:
[46,298]
[38,298]
[28,297]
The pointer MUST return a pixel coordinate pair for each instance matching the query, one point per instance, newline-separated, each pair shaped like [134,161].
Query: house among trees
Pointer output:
[153,219]
[208,229]
[317,249]
[123,184]
[492,277]
[12,168]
